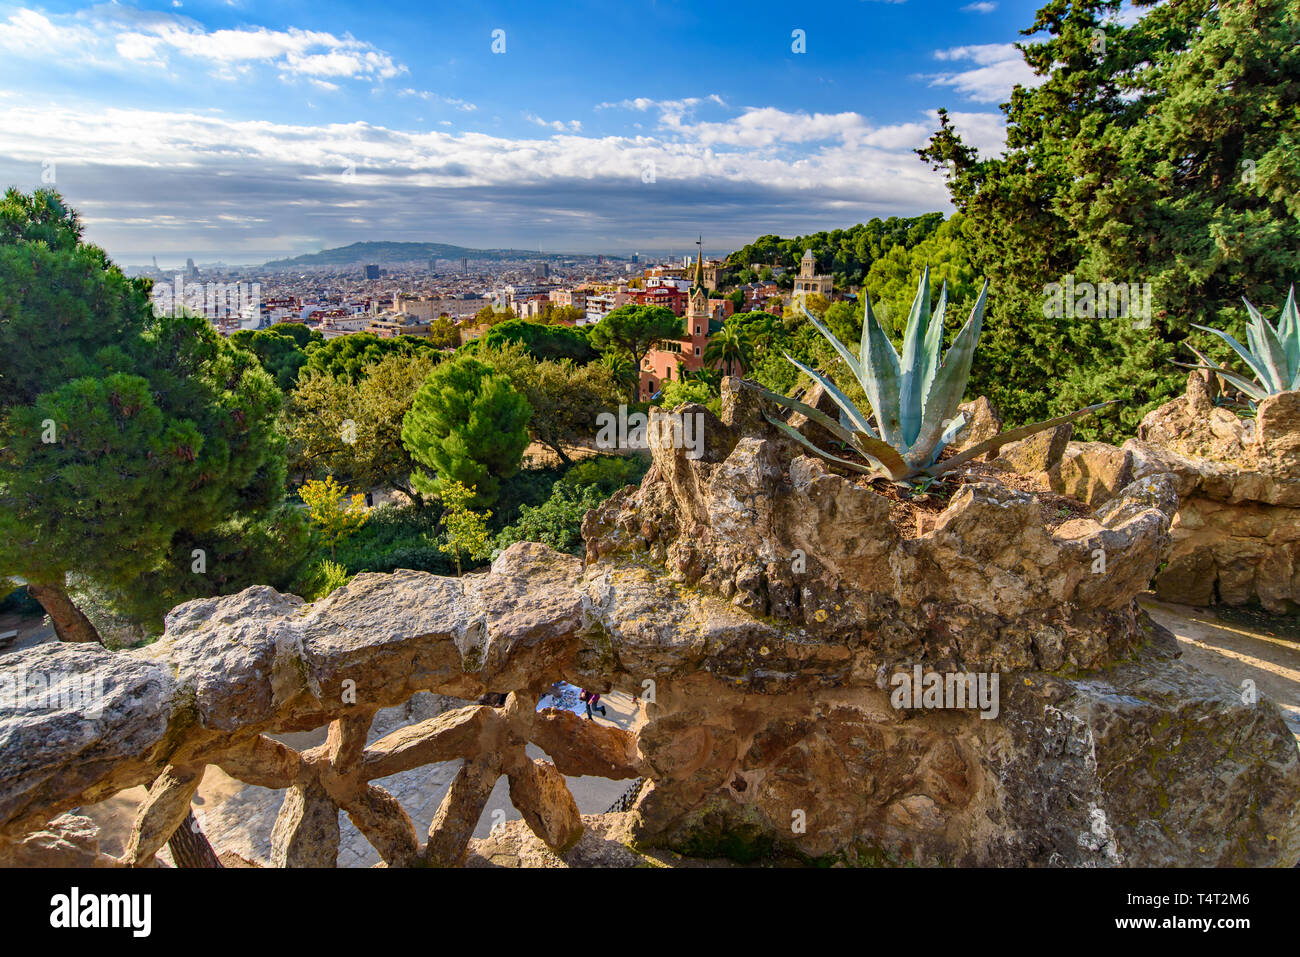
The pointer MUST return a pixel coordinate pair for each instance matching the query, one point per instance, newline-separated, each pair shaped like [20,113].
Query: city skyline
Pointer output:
[220,131]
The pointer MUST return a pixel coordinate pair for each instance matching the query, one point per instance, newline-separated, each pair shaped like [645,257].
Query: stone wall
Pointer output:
[1236,537]
[761,606]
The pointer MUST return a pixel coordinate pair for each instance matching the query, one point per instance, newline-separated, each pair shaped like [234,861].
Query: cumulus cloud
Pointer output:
[998,67]
[151,180]
[115,36]
[984,6]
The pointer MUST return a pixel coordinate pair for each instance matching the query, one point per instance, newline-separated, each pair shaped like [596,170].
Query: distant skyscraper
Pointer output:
[433,264]
[464,265]
[372,272]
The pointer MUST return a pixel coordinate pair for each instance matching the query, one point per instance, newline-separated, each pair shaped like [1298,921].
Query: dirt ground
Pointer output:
[1236,653]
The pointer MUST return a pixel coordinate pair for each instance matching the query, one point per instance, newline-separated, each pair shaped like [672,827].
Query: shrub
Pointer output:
[609,473]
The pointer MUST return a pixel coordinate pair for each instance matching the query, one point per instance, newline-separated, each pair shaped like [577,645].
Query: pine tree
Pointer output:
[1161,153]
[122,433]
[469,425]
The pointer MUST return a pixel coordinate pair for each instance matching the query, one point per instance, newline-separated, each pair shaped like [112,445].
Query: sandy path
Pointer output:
[1236,654]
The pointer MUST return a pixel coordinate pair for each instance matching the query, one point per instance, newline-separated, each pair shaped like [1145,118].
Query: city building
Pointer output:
[398,324]
[669,297]
[670,358]
[808,282]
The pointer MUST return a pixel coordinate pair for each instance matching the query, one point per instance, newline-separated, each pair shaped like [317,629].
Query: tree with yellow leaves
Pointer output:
[466,529]
[329,508]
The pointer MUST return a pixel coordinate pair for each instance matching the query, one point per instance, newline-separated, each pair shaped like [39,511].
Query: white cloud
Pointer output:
[801,169]
[105,36]
[998,68]
[984,6]
[430,95]
[573,126]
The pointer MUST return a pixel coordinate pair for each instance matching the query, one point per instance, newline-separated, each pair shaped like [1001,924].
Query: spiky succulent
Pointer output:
[1273,355]
[914,397]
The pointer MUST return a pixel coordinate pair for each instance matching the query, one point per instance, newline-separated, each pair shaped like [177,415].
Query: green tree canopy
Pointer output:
[346,357]
[469,425]
[543,342]
[354,432]
[123,434]
[1161,153]
[565,398]
[847,254]
[633,330]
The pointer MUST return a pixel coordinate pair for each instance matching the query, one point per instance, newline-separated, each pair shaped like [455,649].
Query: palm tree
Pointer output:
[730,349]
[624,369]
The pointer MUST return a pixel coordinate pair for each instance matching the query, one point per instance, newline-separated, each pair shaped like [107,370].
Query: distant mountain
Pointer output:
[380,253]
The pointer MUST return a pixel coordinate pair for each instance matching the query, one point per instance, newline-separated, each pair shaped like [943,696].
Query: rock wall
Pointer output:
[761,606]
[1236,537]
[771,601]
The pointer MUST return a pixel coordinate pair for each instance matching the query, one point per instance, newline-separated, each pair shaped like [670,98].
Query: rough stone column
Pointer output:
[306,832]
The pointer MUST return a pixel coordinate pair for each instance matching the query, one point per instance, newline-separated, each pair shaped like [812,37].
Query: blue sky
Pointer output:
[247,130]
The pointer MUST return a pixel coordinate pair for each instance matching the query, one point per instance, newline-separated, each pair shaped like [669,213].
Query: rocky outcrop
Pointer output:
[764,609]
[229,672]
[1236,537]
[792,602]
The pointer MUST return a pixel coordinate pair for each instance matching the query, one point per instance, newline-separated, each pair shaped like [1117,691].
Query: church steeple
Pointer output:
[699,264]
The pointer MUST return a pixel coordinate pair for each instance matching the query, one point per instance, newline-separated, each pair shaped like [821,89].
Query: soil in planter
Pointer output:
[917,513]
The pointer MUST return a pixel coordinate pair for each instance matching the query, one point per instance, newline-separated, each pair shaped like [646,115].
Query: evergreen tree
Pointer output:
[468,425]
[1162,153]
[633,330]
[122,434]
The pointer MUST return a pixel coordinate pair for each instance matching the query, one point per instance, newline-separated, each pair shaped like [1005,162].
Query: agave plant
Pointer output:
[1273,355]
[914,397]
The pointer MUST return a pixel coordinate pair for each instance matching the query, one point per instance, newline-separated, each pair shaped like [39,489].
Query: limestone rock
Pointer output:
[1038,453]
[1236,538]
[982,424]
[69,840]
[1091,472]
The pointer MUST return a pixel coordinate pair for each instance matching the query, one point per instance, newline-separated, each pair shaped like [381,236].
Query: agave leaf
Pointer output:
[880,378]
[934,339]
[949,385]
[1252,389]
[950,433]
[795,434]
[854,365]
[813,413]
[1289,331]
[856,417]
[911,396]
[886,455]
[1241,350]
[1003,438]
[1271,353]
